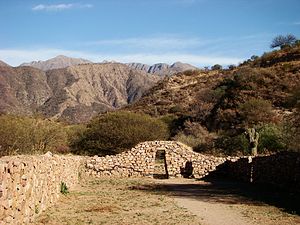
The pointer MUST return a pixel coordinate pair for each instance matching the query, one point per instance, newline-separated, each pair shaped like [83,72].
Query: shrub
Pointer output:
[271,139]
[292,124]
[176,109]
[232,66]
[247,78]
[115,132]
[174,123]
[26,135]
[216,67]
[256,112]
[195,136]
[63,188]
[233,145]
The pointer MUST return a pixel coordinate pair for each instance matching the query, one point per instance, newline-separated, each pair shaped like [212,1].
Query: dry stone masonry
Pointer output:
[30,184]
[180,160]
[281,170]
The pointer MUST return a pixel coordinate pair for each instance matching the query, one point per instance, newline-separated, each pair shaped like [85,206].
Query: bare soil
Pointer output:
[116,201]
[171,201]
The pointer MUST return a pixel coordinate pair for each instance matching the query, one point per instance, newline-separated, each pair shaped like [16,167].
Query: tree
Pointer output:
[114,132]
[283,41]
[216,67]
[254,57]
[231,67]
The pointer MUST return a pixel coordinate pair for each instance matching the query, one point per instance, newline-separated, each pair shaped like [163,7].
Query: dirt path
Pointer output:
[223,203]
[174,201]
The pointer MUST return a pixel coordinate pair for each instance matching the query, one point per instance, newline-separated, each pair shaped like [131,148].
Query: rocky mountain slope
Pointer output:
[3,63]
[163,69]
[177,94]
[72,94]
[56,63]
[22,89]
[213,98]
[81,91]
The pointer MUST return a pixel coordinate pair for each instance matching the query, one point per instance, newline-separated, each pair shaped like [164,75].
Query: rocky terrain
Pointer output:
[56,63]
[79,92]
[22,89]
[3,63]
[213,97]
[72,94]
[61,61]
[163,69]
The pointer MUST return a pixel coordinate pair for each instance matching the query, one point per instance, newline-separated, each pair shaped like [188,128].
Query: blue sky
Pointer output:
[200,32]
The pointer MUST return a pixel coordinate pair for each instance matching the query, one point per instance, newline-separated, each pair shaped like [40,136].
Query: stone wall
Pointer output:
[140,161]
[30,184]
[282,170]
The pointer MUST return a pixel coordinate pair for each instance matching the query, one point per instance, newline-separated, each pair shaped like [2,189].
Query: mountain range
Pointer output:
[61,61]
[163,69]
[75,90]
[57,62]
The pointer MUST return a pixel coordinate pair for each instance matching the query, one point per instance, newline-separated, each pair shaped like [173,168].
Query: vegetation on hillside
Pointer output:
[256,99]
[115,132]
[253,107]
[28,135]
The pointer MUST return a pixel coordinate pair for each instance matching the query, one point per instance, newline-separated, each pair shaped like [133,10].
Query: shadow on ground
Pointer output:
[227,192]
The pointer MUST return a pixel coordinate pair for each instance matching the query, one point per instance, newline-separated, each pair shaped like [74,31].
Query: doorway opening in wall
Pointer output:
[160,167]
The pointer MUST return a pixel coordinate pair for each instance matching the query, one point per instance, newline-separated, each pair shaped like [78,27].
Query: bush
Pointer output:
[26,135]
[271,139]
[216,67]
[177,109]
[114,132]
[256,112]
[247,78]
[233,145]
[195,136]
[174,123]
[292,124]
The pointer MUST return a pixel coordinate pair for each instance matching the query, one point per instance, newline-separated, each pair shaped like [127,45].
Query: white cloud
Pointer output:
[152,42]
[17,56]
[60,7]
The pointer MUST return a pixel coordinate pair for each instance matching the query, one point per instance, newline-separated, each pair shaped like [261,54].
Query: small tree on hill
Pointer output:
[216,67]
[283,41]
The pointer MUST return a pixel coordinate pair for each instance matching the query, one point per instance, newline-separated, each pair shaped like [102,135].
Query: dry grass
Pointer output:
[115,201]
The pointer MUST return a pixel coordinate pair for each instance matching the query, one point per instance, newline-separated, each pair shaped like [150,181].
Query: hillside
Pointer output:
[56,63]
[22,89]
[81,91]
[177,94]
[256,93]
[163,69]
[3,63]
[73,94]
